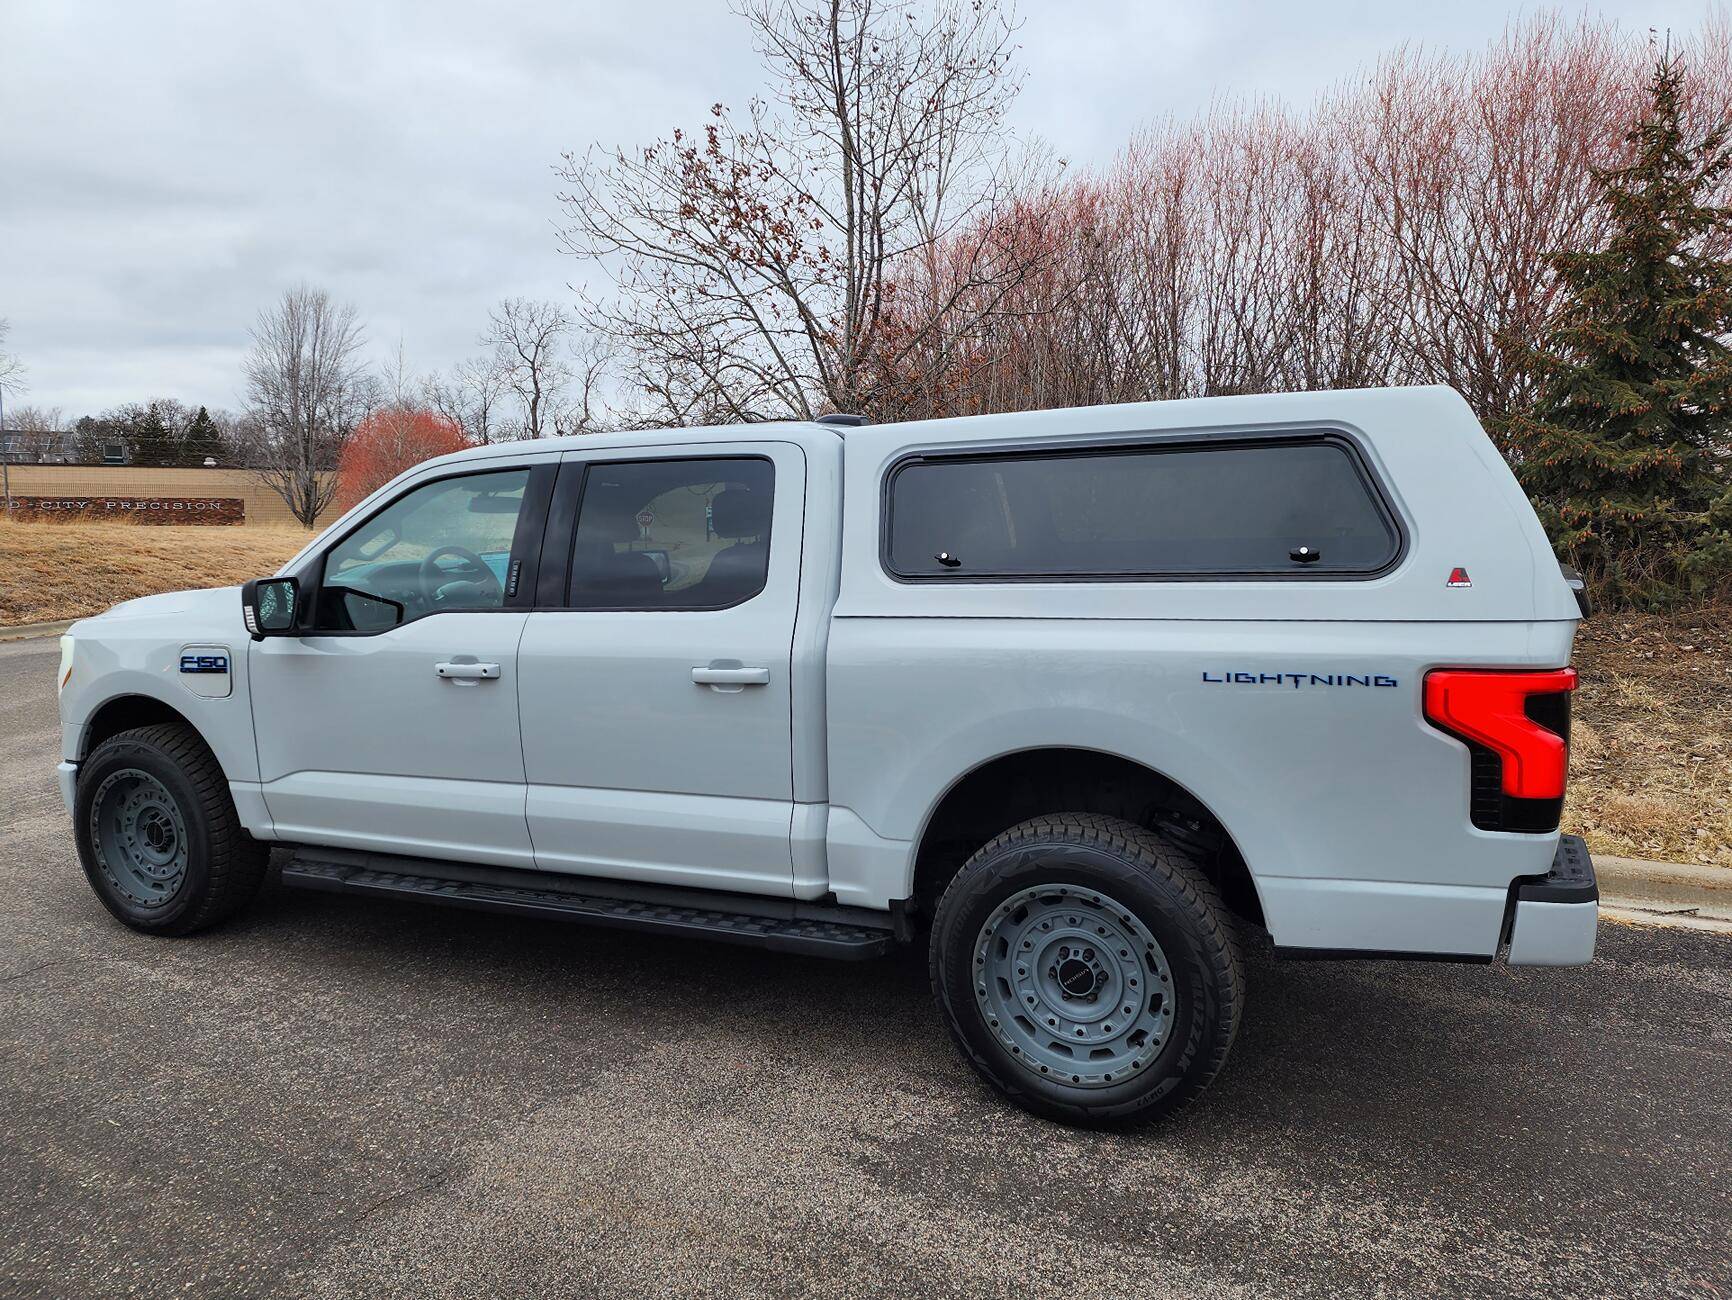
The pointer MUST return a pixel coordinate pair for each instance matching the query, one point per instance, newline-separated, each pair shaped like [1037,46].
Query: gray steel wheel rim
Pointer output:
[1033,959]
[140,837]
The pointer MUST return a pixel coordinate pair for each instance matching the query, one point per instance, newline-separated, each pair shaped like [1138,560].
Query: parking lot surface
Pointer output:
[335,1098]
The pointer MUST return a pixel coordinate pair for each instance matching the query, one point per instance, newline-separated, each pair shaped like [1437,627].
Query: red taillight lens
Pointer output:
[1491,708]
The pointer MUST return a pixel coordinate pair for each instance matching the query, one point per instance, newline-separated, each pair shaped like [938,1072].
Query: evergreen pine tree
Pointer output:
[201,440]
[1626,446]
[148,438]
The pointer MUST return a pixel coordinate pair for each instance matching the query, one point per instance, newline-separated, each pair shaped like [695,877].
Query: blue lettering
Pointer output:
[1297,680]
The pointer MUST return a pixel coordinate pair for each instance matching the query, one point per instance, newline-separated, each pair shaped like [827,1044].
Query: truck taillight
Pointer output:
[1517,721]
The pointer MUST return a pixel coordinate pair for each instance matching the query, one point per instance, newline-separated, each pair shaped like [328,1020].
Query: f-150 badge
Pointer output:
[206,670]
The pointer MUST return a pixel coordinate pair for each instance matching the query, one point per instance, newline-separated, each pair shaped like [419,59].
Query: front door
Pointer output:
[657,726]
[391,723]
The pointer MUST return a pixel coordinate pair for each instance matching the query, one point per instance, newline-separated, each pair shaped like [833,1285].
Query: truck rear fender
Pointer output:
[1013,787]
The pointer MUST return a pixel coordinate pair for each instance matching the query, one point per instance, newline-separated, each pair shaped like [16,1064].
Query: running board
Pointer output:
[810,936]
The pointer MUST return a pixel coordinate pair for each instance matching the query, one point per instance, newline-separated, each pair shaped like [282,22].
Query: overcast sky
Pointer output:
[167,168]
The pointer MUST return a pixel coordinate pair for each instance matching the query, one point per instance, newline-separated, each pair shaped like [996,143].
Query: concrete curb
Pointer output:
[1636,889]
[25,630]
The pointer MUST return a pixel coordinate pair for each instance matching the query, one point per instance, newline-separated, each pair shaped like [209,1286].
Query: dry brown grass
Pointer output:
[1651,736]
[1651,758]
[68,570]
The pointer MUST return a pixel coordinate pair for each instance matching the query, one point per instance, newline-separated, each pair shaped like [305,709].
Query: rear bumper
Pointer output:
[68,775]
[1554,916]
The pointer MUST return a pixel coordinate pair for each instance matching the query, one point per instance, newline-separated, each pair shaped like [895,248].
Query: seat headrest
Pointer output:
[739,512]
[607,517]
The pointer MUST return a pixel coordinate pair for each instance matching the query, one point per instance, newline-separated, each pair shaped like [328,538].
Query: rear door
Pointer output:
[655,670]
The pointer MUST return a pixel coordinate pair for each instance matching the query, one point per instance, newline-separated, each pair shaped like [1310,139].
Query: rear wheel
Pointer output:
[1086,968]
[158,835]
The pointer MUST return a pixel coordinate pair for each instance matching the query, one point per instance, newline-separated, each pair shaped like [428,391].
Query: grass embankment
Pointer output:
[1651,759]
[57,571]
[1651,736]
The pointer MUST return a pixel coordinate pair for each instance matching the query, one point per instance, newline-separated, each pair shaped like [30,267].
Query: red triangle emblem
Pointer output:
[1458,578]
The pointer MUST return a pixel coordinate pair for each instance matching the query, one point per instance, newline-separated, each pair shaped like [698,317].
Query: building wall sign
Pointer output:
[143,510]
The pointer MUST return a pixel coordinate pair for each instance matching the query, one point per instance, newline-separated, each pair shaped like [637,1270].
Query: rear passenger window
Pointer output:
[672,534]
[1226,509]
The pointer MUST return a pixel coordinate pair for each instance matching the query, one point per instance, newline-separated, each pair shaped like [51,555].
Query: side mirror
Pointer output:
[268,606]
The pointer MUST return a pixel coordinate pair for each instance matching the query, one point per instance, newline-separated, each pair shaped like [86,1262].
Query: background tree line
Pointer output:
[312,397]
[867,238]
[1541,224]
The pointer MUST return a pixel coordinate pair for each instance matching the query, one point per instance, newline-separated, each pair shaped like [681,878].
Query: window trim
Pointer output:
[1189,441]
[567,515]
[525,548]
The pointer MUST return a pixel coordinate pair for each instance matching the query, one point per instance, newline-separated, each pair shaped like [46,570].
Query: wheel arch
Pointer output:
[123,713]
[1012,787]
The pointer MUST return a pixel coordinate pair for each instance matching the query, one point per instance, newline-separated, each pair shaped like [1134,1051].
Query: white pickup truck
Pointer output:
[1082,697]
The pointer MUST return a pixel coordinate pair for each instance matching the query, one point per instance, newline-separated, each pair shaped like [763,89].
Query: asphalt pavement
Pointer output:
[339,1098]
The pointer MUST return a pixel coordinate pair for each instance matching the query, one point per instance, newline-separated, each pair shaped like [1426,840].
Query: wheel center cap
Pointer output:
[1076,977]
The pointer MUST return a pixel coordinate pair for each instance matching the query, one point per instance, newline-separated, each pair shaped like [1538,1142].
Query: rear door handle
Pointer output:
[467,673]
[718,675]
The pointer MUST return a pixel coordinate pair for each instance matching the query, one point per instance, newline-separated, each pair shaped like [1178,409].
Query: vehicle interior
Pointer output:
[445,545]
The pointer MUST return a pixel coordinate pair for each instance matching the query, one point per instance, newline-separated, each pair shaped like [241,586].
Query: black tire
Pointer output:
[1166,897]
[223,865]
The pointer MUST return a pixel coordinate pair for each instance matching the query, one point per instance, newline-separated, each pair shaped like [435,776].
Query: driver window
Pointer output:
[444,545]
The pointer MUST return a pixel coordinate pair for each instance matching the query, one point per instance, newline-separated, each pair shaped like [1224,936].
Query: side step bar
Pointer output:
[809,935]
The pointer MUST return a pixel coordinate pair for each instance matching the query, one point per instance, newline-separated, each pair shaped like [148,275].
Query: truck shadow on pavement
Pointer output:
[1424,1048]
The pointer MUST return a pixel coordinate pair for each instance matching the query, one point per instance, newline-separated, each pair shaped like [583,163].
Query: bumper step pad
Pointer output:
[816,938]
[1571,879]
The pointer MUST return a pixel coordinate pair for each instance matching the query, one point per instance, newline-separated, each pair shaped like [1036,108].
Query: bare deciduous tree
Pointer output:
[242,437]
[11,367]
[528,338]
[586,408]
[472,396]
[1479,172]
[757,262]
[38,433]
[395,424]
[1397,232]
[11,381]
[307,388]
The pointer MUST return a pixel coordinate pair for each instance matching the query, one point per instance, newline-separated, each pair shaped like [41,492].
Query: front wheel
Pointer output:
[158,835]
[1085,968]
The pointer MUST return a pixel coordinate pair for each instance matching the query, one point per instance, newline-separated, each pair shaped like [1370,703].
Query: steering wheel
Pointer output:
[472,571]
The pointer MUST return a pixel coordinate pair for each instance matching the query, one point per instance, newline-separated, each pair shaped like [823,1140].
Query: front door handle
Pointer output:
[467,674]
[733,675]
